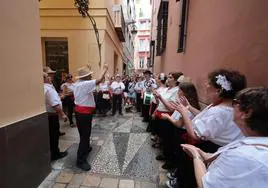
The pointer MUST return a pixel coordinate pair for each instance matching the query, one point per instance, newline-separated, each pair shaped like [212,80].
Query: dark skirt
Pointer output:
[103,105]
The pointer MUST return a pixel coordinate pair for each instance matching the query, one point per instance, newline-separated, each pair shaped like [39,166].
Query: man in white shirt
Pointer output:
[117,89]
[51,75]
[54,110]
[84,108]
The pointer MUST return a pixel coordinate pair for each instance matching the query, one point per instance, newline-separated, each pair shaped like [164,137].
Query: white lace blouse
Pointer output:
[215,123]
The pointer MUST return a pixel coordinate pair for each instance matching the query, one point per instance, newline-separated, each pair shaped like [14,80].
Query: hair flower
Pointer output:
[223,82]
[162,76]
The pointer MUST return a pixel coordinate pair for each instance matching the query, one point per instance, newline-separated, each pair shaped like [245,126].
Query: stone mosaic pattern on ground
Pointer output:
[121,155]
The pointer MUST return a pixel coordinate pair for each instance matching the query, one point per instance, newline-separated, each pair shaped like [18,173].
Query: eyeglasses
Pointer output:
[235,102]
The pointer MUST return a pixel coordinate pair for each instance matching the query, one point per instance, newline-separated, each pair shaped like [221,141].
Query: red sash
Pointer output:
[84,109]
[159,113]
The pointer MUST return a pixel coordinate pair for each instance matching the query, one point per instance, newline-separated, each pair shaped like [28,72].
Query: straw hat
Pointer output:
[83,72]
[48,70]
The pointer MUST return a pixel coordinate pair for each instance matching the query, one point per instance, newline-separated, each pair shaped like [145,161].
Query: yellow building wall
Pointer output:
[21,80]
[63,20]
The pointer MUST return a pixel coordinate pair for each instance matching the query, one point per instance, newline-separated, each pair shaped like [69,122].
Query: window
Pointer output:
[162,22]
[152,51]
[141,62]
[142,45]
[142,25]
[183,24]
[141,13]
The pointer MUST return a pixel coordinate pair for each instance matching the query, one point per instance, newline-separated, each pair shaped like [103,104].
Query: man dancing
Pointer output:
[84,107]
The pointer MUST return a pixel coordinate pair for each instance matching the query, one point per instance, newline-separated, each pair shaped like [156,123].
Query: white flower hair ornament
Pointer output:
[224,83]
[162,76]
[181,78]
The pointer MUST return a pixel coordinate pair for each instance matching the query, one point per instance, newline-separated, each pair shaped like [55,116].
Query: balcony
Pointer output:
[119,22]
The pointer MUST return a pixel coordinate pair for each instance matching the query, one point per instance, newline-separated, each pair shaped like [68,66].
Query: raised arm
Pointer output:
[193,110]
[105,69]
[187,121]
[177,123]
[167,104]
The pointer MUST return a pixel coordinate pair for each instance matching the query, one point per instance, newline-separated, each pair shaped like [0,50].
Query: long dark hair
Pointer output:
[176,75]
[190,93]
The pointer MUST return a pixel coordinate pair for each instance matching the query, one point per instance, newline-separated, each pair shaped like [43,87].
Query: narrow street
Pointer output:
[122,156]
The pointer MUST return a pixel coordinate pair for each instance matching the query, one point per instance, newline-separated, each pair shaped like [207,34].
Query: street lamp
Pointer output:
[134,29]
[82,6]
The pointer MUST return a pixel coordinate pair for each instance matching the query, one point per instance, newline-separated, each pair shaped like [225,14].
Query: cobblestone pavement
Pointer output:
[122,156]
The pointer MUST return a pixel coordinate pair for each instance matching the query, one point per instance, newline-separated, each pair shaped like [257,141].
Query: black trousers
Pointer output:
[145,112]
[68,102]
[54,134]
[117,101]
[138,102]
[84,125]
[151,128]
[166,130]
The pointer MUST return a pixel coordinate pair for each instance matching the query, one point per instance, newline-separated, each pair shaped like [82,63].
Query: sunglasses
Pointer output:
[235,102]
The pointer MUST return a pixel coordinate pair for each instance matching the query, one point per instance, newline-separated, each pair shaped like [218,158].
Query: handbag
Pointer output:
[105,96]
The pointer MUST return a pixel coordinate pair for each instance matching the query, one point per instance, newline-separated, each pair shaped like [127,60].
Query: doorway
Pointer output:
[56,57]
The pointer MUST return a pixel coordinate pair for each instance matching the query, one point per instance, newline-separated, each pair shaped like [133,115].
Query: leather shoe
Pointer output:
[160,158]
[84,166]
[59,155]
[168,166]
[62,133]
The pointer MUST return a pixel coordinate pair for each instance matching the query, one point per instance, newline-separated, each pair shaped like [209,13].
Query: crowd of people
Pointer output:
[224,144]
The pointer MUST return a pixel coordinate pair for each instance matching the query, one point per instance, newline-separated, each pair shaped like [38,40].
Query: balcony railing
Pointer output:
[119,22]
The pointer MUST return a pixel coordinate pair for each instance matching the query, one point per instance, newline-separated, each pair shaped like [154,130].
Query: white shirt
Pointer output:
[159,90]
[170,95]
[117,87]
[104,86]
[83,93]
[177,116]
[51,97]
[70,86]
[215,123]
[239,165]
[138,87]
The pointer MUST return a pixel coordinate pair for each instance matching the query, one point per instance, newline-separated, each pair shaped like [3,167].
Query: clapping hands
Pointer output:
[181,105]
[156,94]
[191,150]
